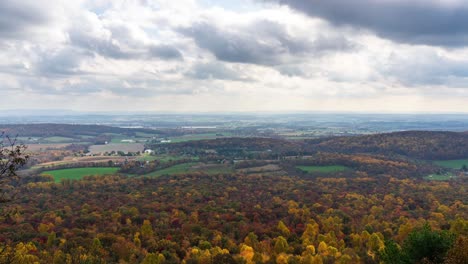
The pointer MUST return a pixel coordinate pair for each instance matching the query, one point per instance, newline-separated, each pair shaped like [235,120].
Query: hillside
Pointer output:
[429,145]
[65,130]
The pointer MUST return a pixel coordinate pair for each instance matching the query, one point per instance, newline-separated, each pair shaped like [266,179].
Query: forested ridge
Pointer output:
[426,145]
[430,145]
[363,199]
[196,218]
[65,130]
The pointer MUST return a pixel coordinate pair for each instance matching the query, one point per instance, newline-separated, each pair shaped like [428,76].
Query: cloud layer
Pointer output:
[247,55]
[429,22]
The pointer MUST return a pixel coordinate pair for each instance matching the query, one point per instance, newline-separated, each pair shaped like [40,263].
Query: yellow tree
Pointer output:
[146,229]
[283,229]
[281,245]
[310,233]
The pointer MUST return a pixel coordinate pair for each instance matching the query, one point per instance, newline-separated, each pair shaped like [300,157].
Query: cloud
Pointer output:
[235,55]
[216,71]
[117,40]
[165,52]
[428,22]
[17,17]
[260,42]
[66,62]
[426,68]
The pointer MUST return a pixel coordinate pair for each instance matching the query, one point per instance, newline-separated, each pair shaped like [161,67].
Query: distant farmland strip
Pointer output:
[323,169]
[78,173]
[452,164]
[131,147]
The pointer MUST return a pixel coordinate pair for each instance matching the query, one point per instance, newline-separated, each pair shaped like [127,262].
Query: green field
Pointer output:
[78,173]
[58,139]
[323,169]
[176,169]
[452,164]
[439,177]
[214,170]
[191,167]
[162,158]
[146,135]
[201,136]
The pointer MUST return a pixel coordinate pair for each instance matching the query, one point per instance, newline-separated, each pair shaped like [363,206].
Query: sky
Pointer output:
[375,56]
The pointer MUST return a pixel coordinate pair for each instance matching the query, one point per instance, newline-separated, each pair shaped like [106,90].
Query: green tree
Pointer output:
[464,167]
[421,245]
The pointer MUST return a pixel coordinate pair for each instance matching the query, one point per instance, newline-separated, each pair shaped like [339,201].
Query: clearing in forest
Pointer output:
[452,164]
[323,169]
[78,173]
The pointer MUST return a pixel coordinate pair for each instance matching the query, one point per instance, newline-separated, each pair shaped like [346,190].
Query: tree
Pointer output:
[281,245]
[458,254]
[464,167]
[422,244]
[12,157]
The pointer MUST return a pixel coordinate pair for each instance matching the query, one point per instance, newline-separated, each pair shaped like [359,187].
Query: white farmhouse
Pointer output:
[149,151]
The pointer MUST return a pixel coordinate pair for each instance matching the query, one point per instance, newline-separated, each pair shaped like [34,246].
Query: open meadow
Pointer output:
[78,173]
[130,147]
[323,169]
[452,164]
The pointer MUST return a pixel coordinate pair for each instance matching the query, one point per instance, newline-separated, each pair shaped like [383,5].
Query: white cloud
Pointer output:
[200,56]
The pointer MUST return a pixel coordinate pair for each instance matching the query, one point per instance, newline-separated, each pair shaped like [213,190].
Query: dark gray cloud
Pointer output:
[262,42]
[64,63]
[17,17]
[165,52]
[415,22]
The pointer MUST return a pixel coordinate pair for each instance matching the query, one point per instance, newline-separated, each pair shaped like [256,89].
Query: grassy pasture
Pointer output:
[162,158]
[78,173]
[212,168]
[440,177]
[43,147]
[58,139]
[146,135]
[192,167]
[130,147]
[81,160]
[201,136]
[176,169]
[323,169]
[452,164]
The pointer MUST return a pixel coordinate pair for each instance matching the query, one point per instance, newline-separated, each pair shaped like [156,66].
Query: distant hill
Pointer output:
[64,130]
[430,145]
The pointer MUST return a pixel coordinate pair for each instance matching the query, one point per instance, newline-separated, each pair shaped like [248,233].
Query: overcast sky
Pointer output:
[234,55]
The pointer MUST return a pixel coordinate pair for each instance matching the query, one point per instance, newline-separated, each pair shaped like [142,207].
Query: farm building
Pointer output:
[149,151]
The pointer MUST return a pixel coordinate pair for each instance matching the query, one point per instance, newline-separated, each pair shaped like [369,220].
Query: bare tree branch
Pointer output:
[12,157]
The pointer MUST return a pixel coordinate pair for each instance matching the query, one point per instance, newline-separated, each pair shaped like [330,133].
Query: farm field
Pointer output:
[43,147]
[191,167]
[78,173]
[323,169]
[118,140]
[81,160]
[212,168]
[261,169]
[130,147]
[203,136]
[176,169]
[58,139]
[162,158]
[452,164]
[439,177]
